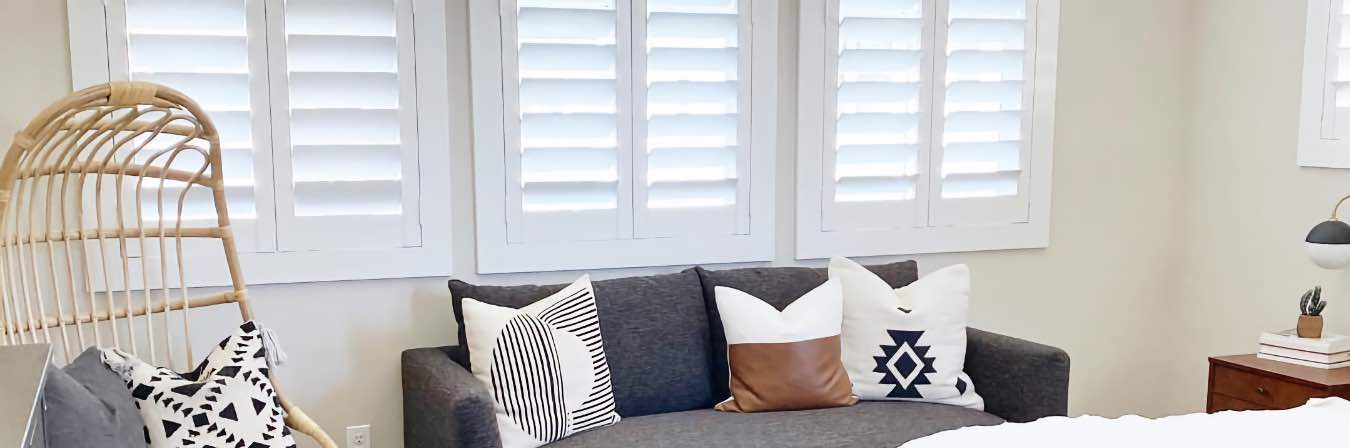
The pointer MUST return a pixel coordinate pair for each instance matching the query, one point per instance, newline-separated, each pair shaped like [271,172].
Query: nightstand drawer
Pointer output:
[1218,403]
[1261,390]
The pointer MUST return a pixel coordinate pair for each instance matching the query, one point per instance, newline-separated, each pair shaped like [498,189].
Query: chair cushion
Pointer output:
[778,287]
[655,330]
[872,424]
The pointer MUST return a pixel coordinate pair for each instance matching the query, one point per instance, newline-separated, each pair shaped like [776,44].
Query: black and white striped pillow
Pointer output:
[544,364]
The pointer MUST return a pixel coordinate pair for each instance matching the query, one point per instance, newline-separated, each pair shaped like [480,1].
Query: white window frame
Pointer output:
[814,242]
[431,256]
[1320,142]
[497,255]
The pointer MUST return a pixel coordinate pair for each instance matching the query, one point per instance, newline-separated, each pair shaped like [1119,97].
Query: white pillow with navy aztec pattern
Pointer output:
[227,402]
[907,343]
[544,365]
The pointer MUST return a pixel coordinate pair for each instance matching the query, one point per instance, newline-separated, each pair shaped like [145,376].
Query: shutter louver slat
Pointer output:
[344,54]
[201,49]
[169,53]
[350,126]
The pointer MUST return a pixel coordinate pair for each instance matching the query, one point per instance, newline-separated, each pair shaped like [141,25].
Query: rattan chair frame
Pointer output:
[60,267]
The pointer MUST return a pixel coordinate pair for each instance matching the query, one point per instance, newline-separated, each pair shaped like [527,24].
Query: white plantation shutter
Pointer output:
[565,182]
[979,155]
[1324,125]
[206,50]
[323,107]
[619,126]
[880,114]
[917,125]
[689,128]
[343,88]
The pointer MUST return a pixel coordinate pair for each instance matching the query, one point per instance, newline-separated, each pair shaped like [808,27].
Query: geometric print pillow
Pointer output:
[544,364]
[907,343]
[227,402]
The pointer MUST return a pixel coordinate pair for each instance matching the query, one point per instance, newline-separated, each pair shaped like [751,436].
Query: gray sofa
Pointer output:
[666,351]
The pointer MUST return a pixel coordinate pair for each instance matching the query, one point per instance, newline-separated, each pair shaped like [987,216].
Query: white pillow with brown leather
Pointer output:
[907,343]
[788,360]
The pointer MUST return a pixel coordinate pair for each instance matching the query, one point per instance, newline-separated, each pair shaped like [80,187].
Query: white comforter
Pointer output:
[1322,422]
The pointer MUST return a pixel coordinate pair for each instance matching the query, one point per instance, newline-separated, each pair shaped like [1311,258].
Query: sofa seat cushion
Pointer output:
[871,424]
[655,330]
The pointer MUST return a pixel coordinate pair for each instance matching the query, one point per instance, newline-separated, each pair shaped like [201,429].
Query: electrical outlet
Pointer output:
[358,436]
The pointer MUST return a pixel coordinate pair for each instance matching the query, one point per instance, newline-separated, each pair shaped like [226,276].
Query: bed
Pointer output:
[1320,422]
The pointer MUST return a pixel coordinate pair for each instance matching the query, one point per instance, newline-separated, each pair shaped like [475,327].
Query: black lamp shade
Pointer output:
[1330,232]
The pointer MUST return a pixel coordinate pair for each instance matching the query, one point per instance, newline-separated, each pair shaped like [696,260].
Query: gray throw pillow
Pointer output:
[74,417]
[89,405]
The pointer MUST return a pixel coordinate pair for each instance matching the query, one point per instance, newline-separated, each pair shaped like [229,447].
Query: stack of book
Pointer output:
[1331,351]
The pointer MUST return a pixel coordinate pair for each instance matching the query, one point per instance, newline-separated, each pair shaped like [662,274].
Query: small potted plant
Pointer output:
[1310,322]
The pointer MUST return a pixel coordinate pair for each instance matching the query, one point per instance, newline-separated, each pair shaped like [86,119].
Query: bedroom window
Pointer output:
[331,122]
[925,125]
[1324,119]
[612,133]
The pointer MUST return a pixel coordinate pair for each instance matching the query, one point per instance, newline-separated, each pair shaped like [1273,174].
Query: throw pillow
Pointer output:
[788,360]
[907,343]
[544,364]
[75,417]
[107,387]
[779,286]
[228,401]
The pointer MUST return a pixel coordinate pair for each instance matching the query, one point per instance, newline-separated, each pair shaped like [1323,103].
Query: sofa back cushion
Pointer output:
[778,287]
[655,330]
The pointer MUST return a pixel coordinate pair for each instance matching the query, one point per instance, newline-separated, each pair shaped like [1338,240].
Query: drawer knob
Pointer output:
[1260,390]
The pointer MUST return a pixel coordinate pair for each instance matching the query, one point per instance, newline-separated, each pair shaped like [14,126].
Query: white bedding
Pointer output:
[1321,422]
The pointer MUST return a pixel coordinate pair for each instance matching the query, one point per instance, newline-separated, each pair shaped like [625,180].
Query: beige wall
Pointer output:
[1248,205]
[1100,291]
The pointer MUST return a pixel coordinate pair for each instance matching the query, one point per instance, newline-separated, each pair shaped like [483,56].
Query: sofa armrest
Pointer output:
[1020,380]
[444,406]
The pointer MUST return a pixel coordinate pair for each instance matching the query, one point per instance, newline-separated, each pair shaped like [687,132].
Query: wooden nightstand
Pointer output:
[1245,382]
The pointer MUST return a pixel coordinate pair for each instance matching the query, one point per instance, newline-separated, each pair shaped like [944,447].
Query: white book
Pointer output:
[1302,362]
[1323,358]
[1327,344]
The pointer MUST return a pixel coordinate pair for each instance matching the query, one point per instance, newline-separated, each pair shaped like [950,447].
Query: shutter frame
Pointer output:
[501,250]
[95,27]
[817,238]
[1319,142]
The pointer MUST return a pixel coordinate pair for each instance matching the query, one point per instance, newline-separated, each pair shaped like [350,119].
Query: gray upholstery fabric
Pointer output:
[866,425]
[89,370]
[655,330]
[444,405]
[779,287]
[1020,381]
[76,418]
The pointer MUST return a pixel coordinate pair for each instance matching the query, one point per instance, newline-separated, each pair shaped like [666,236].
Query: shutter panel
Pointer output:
[565,156]
[1337,101]
[691,120]
[878,102]
[984,124]
[211,50]
[343,86]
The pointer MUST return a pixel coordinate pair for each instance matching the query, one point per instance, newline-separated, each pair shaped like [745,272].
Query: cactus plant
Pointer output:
[1311,304]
